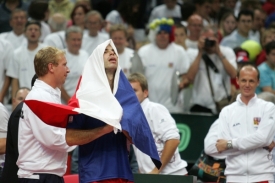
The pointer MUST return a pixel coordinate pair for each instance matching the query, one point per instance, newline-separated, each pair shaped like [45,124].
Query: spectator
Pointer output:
[194,26]
[21,69]
[129,14]
[129,61]
[58,25]
[214,72]
[18,21]
[266,70]
[180,35]
[78,16]
[215,10]
[258,23]
[267,36]
[42,157]
[6,9]
[4,117]
[227,25]
[244,26]
[269,7]
[39,11]
[162,58]
[64,7]
[164,131]
[94,37]
[170,9]
[246,129]
[6,56]
[20,96]
[203,8]
[76,59]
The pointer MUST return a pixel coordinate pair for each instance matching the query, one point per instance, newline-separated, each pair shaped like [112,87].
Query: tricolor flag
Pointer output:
[94,97]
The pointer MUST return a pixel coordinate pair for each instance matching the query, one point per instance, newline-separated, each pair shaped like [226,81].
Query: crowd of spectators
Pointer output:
[189,51]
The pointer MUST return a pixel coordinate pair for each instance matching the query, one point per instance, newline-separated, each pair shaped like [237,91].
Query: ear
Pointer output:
[145,93]
[237,80]
[50,67]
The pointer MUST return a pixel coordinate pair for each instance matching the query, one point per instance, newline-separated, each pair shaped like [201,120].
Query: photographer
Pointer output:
[210,72]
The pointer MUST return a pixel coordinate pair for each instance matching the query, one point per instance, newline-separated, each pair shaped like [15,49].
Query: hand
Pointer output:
[217,46]
[154,171]
[221,145]
[183,83]
[201,43]
[270,147]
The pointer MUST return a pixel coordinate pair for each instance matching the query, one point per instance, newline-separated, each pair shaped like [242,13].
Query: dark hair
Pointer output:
[187,9]
[125,10]
[85,9]
[179,25]
[33,79]
[248,65]
[245,12]
[269,47]
[201,2]
[37,9]
[226,15]
[31,22]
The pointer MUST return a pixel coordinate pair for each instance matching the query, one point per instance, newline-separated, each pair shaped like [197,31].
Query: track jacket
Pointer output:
[250,127]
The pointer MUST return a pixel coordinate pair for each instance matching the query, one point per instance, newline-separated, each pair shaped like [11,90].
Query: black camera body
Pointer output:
[209,43]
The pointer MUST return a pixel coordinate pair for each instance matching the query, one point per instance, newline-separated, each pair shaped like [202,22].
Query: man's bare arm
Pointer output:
[80,137]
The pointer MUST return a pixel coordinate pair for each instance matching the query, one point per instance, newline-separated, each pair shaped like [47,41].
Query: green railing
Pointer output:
[193,129]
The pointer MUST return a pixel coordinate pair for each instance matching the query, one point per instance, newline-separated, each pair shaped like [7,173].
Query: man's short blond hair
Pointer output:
[138,77]
[118,27]
[45,56]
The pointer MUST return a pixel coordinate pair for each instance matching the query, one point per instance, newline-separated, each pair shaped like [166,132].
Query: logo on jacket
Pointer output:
[256,120]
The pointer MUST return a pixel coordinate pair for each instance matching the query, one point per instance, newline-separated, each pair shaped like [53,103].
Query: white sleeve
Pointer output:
[49,136]
[8,55]
[219,130]
[164,126]
[264,134]
[230,56]
[4,118]
[13,67]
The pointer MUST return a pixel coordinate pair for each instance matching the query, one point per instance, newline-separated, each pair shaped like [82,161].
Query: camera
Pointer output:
[209,43]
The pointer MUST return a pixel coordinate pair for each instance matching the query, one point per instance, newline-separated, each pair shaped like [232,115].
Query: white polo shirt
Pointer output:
[15,40]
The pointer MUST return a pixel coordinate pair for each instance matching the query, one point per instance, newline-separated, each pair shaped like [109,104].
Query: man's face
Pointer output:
[18,21]
[230,4]
[245,24]
[195,27]
[32,33]
[259,20]
[180,35]
[141,95]
[20,96]
[170,3]
[93,24]
[162,39]
[248,82]
[204,9]
[110,59]
[119,39]
[271,57]
[61,70]
[270,37]
[74,41]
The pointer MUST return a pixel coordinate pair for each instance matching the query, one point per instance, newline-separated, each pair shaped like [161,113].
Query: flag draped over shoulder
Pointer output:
[119,108]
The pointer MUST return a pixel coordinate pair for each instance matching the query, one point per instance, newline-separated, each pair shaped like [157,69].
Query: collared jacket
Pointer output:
[250,127]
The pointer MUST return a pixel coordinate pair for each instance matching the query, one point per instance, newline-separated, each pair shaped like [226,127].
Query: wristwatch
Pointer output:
[229,144]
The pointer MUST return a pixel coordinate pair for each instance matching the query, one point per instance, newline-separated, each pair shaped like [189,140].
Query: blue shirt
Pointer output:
[104,158]
[235,39]
[267,77]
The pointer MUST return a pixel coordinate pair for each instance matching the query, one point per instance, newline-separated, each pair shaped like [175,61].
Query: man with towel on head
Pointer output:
[105,94]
